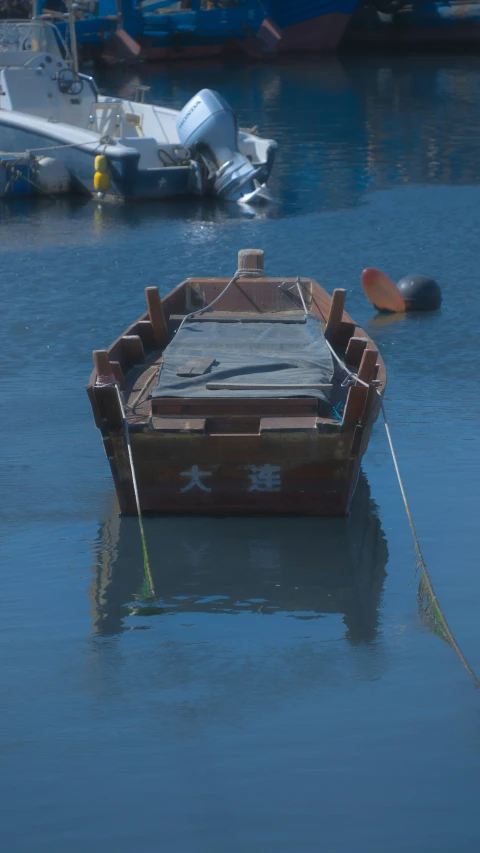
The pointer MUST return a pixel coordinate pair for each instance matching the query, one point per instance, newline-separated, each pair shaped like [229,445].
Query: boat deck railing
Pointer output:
[20,40]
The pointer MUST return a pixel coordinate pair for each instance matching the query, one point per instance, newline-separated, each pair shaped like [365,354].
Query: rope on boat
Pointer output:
[146,563]
[105,140]
[244,273]
[131,406]
[425,588]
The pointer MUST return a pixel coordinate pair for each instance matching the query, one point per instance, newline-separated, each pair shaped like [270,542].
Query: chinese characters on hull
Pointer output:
[196,476]
[262,478]
[265,478]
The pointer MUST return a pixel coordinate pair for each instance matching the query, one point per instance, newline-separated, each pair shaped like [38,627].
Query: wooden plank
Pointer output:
[200,406]
[357,441]
[118,373]
[243,317]
[157,316]
[103,368]
[292,424]
[139,383]
[195,367]
[344,333]
[133,349]
[367,365]
[336,313]
[108,405]
[146,333]
[178,424]
[95,409]
[352,414]
[249,386]
[354,351]
[138,377]
[372,405]
[238,425]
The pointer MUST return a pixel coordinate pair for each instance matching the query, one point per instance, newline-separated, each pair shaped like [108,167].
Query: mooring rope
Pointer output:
[146,562]
[425,585]
[97,142]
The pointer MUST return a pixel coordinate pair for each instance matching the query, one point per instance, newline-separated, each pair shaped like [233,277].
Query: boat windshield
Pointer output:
[21,40]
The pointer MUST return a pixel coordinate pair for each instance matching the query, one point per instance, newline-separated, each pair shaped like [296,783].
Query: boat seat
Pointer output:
[147,148]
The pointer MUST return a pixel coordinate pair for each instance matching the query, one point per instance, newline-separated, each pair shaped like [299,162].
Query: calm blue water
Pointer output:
[285,694]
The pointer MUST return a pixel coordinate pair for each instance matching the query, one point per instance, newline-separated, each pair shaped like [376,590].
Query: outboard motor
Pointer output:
[208,127]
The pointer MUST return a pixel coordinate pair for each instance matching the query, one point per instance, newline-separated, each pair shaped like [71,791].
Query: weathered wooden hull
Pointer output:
[225,475]
[240,457]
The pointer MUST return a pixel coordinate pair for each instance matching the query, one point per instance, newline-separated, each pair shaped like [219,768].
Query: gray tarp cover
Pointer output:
[248,353]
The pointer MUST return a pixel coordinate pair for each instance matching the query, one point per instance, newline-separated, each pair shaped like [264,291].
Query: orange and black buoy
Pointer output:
[413,292]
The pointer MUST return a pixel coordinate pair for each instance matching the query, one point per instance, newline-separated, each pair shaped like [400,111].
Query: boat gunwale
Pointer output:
[115,350]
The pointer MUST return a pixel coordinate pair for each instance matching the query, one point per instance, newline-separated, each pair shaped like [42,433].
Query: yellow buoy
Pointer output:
[101,163]
[101,182]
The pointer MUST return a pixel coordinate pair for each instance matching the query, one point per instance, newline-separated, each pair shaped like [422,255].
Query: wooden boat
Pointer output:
[237,398]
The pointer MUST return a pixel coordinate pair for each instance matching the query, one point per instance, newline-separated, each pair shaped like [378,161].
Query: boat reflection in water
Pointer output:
[305,567]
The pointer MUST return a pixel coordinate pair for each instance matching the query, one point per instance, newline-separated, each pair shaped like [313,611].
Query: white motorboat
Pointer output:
[142,150]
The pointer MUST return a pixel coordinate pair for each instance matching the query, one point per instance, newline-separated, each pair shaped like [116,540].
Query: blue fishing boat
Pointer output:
[196,28]
[182,29]
[165,29]
[310,25]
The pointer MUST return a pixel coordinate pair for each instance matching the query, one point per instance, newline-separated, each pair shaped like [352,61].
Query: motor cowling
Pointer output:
[208,127]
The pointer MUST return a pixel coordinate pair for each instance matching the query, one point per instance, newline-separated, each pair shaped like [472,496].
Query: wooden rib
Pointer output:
[118,373]
[133,349]
[367,365]
[147,334]
[354,351]
[95,409]
[336,313]
[344,332]
[157,316]
[103,368]
[356,441]
[108,405]
[355,405]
